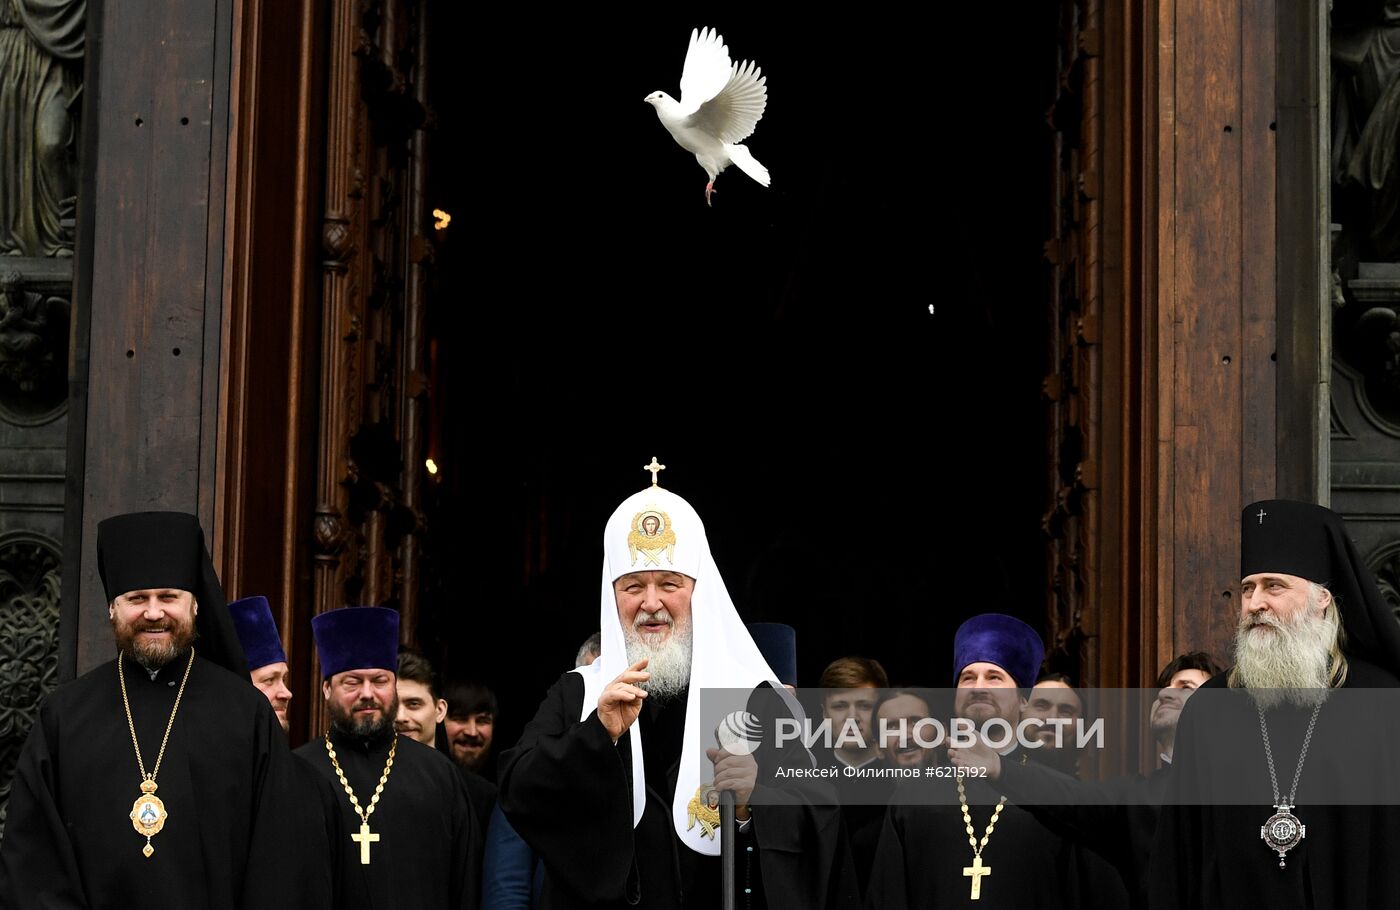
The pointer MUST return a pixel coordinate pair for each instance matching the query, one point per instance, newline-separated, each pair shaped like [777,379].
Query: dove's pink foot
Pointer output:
[709,189]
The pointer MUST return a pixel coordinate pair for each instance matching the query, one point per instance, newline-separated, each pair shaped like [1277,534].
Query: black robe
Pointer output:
[1207,851]
[482,795]
[863,805]
[566,789]
[1116,818]
[428,855]
[227,782]
[924,848]
[316,806]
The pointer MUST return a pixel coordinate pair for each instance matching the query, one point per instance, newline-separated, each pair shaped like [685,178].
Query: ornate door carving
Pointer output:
[1365,186]
[41,71]
[1073,388]
[376,247]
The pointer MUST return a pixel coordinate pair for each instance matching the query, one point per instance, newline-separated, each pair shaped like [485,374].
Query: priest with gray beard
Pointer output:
[1283,788]
[610,784]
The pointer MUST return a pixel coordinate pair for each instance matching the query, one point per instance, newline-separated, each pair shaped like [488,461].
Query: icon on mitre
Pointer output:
[652,537]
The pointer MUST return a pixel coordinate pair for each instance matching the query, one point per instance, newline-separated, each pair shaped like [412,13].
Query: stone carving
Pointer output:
[33,350]
[41,51]
[1366,117]
[1385,562]
[1380,327]
[30,570]
[1365,51]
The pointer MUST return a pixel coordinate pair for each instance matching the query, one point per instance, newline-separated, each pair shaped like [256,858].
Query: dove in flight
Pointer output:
[720,105]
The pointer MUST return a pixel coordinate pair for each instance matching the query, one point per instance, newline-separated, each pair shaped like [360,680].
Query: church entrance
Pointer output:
[842,372]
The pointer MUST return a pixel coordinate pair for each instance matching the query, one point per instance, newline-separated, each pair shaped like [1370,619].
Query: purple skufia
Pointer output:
[1002,640]
[257,631]
[357,638]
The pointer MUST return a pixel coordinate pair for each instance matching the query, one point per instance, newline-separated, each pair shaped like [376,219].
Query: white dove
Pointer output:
[720,105]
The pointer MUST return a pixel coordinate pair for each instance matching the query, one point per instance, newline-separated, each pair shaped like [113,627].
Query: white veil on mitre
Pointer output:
[656,530]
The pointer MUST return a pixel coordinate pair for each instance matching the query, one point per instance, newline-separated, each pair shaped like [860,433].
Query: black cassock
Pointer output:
[566,789]
[227,782]
[428,855]
[481,793]
[1208,852]
[924,849]
[1116,818]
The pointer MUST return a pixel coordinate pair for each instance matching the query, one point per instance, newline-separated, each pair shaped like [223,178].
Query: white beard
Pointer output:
[1289,663]
[667,662]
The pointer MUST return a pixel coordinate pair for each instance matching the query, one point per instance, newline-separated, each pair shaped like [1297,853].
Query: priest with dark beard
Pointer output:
[161,779]
[1283,788]
[403,832]
[611,783]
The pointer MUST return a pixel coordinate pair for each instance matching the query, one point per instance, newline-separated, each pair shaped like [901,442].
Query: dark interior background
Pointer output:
[869,471]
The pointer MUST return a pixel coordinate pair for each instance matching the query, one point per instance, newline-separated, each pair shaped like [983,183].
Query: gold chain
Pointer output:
[131,725]
[967,820]
[364,814]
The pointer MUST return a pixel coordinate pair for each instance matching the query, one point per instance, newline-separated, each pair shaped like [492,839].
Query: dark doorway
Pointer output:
[870,470]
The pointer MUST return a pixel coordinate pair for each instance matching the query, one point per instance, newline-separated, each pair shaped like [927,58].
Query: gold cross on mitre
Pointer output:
[655,468]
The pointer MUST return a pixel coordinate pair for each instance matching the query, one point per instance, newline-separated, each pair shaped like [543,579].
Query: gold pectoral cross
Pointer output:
[976,871]
[364,839]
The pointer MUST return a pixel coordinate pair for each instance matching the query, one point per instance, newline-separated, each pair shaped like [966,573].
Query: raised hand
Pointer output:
[622,699]
[978,755]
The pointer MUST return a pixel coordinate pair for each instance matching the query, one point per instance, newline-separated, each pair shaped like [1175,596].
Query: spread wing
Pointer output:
[732,114]
[706,70]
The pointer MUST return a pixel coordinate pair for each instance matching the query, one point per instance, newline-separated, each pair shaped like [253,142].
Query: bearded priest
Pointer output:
[402,831]
[161,779]
[1283,789]
[610,779]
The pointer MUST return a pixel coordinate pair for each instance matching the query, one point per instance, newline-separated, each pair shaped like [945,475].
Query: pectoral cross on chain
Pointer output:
[976,871]
[364,839]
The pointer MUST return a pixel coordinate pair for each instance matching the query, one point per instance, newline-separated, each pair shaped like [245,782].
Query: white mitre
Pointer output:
[656,530]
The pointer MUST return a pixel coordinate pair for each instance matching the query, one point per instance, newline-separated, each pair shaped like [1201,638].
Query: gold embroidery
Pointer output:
[702,811]
[651,535]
